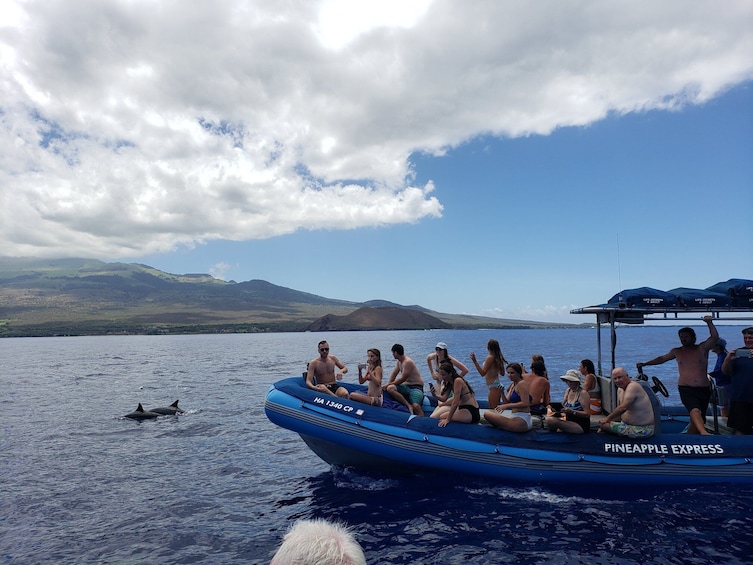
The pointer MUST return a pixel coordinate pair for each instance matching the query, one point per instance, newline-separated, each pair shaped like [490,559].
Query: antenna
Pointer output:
[619,271]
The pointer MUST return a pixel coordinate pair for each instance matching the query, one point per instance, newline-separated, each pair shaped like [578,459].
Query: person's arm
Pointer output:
[361,377]
[457,392]
[727,366]
[310,374]
[481,370]
[394,373]
[339,365]
[429,358]
[462,369]
[714,334]
[404,369]
[590,383]
[627,399]
[657,360]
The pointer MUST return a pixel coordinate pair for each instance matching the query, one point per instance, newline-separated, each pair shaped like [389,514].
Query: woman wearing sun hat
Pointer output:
[575,407]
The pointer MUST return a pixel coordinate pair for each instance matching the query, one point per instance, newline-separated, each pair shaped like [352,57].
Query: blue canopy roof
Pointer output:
[630,305]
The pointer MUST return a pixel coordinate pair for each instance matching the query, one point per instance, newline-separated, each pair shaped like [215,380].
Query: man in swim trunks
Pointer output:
[322,371]
[408,388]
[634,415]
[692,364]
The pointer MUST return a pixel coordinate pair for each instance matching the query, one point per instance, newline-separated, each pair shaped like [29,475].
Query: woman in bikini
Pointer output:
[513,414]
[591,385]
[492,369]
[373,376]
[464,407]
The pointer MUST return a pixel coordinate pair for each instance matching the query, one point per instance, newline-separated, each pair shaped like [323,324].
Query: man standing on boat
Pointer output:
[692,364]
[634,415]
[408,389]
[322,370]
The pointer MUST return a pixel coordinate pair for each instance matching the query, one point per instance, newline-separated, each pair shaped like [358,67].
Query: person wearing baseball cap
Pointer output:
[439,355]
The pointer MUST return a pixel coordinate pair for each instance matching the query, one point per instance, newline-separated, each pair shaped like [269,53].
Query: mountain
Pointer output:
[381,318]
[41,297]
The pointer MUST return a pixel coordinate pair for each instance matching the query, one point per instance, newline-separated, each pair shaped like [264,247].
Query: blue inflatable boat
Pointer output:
[351,434]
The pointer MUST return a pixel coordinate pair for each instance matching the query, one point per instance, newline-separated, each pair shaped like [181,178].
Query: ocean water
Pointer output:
[79,483]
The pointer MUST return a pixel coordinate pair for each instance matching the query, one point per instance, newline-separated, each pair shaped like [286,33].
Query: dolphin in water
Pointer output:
[168,410]
[141,414]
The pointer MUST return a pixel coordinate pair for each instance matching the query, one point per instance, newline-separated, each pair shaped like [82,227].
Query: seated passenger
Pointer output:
[408,388]
[540,358]
[591,385]
[373,376]
[575,408]
[444,395]
[513,413]
[463,407]
[321,371]
[634,415]
[538,388]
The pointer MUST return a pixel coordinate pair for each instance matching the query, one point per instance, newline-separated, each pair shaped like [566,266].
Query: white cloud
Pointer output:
[548,313]
[132,127]
[220,270]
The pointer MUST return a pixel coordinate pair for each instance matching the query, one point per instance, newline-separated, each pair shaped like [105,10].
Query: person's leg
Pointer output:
[697,423]
[398,396]
[495,394]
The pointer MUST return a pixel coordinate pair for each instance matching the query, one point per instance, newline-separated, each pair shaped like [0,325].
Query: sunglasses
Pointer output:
[324,349]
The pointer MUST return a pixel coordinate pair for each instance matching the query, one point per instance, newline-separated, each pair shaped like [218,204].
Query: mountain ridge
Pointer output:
[74,296]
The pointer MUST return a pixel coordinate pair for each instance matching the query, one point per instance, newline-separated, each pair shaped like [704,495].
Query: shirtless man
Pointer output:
[538,388]
[634,415]
[692,364]
[323,369]
[409,385]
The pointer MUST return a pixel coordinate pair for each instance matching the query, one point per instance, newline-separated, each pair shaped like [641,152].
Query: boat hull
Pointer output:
[350,434]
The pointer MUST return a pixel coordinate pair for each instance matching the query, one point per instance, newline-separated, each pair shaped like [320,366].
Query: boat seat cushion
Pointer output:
[608,394]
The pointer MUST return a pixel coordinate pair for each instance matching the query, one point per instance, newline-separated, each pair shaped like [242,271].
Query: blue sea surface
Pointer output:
[221,484]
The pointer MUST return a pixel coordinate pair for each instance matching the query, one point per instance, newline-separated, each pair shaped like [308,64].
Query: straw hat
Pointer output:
[571,375]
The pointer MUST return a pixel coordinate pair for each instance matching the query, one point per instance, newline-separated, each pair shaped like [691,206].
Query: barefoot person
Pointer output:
[692,364]
[323,370]
[371,374]
[408,388]
[634,415]
[492,369]
[463,407]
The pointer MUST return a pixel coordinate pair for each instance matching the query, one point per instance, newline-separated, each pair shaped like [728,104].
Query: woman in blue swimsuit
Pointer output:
[575,408]
[513,414]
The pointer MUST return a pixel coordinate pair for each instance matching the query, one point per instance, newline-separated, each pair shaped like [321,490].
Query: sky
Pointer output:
[511,159]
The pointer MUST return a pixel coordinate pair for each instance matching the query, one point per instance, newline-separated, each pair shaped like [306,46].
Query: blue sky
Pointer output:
[503,160]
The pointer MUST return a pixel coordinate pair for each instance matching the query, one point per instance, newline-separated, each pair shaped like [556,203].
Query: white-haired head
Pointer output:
[319,542]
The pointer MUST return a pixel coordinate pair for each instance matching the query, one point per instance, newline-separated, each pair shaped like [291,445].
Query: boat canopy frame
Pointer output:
[620,313]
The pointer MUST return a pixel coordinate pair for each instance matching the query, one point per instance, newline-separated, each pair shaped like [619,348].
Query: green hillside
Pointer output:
[90,297]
